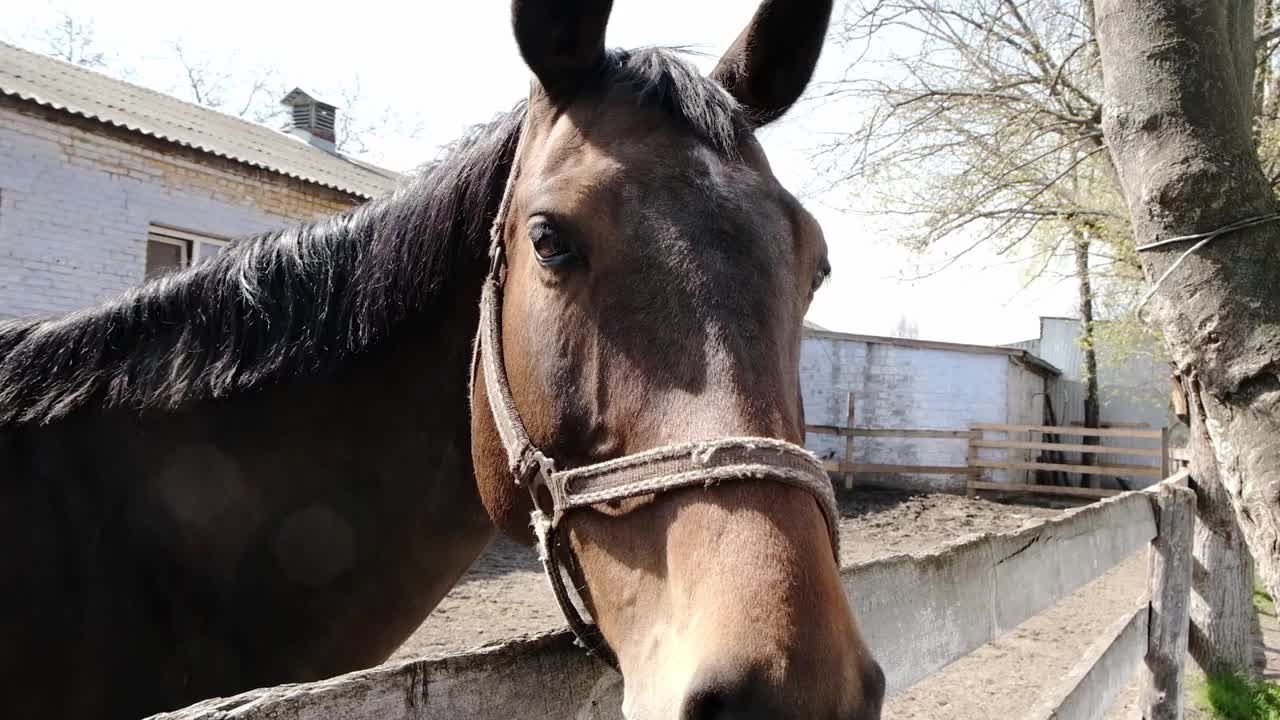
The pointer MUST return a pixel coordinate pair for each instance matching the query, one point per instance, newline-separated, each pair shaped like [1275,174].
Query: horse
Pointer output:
[270,466]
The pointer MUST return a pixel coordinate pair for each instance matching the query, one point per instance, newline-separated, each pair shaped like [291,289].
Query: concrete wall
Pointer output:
[918,614]
[899,386]
[76,202]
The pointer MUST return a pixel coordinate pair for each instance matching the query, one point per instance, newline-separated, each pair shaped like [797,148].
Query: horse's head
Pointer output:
[657,276]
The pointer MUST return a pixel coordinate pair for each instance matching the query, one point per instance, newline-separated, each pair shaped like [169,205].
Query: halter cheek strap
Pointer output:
[673,467]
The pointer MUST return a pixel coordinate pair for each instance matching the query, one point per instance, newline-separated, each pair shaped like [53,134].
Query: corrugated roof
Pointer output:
[1011,352]
[63,86]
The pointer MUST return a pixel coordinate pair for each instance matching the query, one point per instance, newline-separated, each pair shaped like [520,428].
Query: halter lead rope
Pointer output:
[673,467]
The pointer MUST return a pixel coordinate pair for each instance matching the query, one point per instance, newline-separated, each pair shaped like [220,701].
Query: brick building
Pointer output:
[104,183]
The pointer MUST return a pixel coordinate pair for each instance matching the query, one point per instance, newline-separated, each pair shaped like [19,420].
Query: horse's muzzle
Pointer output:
[725,694]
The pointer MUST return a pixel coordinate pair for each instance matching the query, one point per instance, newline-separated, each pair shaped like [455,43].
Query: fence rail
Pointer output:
[1048,444]
[975,464]
[986,584]
[892,432]
[848,468]
[1149,434]
[1131,470]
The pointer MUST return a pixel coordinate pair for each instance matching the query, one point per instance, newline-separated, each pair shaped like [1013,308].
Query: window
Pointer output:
[169,249]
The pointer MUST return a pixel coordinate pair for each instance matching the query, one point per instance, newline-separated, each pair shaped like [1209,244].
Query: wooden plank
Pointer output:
[890,432]
[824,429]
[1123,470]
[1140,425]
[921,612]
[1182,478]
[1101,674]
[975,472]
[890,469]
[919,434]
[1069,430]
[1178,396]
[848,439]
[1044,489]
[1065,447]
[1164,452]
[1169,581]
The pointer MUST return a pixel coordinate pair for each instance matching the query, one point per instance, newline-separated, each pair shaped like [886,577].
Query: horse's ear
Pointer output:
[771,62]
[562,41]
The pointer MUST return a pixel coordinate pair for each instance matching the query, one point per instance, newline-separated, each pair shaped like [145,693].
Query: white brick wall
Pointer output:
[75,207]
[901,387]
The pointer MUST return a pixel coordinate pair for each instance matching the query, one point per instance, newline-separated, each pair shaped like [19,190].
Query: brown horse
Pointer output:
[268,468]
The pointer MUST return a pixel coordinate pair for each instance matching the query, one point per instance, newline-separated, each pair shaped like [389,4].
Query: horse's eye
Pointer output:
[821,275]
[548,243]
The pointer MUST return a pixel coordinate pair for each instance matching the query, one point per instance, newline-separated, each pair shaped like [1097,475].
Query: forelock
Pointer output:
[662,77]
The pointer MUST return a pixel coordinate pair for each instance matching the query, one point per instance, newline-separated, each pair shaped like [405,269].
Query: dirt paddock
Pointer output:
[505,595]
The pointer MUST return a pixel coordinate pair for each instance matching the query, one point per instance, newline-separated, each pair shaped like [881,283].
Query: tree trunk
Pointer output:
[1177,114]
[1271,89]
[1262,72]
[1223,622]
[1091,410]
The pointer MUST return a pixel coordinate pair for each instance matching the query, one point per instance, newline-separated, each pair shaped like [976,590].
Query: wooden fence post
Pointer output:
[1169,577]
[974,472]
[848,440]
[1164,453]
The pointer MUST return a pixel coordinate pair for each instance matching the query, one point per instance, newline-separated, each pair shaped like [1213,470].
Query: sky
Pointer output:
[444,66]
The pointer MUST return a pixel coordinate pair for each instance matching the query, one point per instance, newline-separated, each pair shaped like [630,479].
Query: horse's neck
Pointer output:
[315,523]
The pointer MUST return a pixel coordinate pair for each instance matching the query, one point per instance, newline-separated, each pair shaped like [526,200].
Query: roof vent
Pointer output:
[311,119]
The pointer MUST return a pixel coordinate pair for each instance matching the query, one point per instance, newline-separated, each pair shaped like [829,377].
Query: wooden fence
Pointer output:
[1047,440]
[849,469]
[1043,438]
[849,431]
[919,613]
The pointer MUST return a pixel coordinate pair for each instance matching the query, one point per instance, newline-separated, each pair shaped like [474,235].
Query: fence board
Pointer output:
[890,432]
[921,612]
[918,613]
[1070,430]
[1125,470]
[1066,447]
[849,456]
[883,468]
[1098,677]
[1043,489]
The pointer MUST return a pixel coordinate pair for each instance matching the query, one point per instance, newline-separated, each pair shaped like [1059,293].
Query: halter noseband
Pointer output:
[673,467]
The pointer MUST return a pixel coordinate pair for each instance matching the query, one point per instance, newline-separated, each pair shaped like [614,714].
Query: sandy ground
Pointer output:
[505,595]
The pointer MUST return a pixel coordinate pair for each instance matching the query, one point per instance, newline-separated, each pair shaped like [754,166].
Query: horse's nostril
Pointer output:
[873,688]
[728,696]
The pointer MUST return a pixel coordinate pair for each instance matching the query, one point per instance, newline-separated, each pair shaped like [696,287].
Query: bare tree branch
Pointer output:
[73,41]
[988,131]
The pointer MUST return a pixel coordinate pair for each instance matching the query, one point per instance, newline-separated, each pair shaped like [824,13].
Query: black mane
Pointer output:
[301,301]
